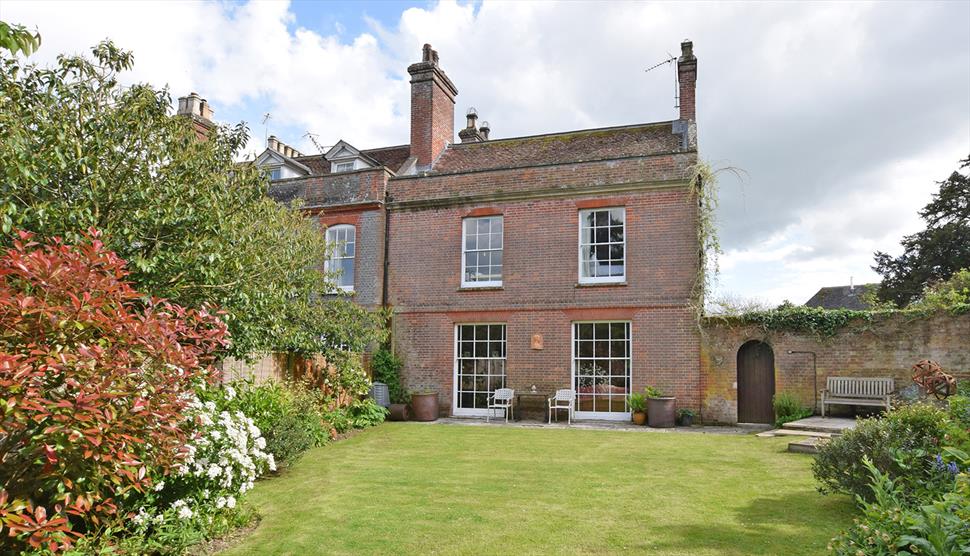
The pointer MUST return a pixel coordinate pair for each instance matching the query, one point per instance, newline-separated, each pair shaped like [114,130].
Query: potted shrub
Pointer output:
[685,417]
[660,408]
[638,407]
[387,369]
[424,406]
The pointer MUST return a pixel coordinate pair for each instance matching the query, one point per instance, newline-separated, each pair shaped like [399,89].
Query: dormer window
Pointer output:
[278,166]
[343,157]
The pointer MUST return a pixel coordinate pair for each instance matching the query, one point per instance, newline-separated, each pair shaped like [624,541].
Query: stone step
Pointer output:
[807,445]
[754,426]
[822,424]
[789,432]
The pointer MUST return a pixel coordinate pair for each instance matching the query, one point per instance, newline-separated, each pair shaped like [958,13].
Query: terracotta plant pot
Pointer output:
[424,406]
[398,412]
[660,412]
[639,418]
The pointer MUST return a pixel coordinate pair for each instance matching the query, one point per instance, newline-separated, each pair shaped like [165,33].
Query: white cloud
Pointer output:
[842,114]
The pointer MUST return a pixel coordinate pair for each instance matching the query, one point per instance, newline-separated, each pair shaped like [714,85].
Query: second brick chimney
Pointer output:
[687,80]
[432,109]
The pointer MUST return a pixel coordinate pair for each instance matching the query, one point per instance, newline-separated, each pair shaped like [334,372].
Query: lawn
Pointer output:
[406,488]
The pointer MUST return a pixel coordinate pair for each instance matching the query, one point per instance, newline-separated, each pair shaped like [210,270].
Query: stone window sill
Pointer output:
[480,289]
[599,284]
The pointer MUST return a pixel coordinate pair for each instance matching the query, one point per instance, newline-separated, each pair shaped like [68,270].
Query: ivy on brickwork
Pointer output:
[815,321]
[826,323]
[704,191]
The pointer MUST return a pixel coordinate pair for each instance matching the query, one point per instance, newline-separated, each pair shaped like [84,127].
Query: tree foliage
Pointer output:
[17,39]
[80,151]
[934,254]
[95,380]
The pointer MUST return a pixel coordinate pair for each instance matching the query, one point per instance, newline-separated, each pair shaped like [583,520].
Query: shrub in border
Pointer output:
[901,444]
[96,380]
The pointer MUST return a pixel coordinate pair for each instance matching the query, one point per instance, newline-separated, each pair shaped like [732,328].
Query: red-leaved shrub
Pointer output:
[94,378]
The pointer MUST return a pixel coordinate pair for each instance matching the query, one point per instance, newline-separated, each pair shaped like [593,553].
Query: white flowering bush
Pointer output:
[221,462]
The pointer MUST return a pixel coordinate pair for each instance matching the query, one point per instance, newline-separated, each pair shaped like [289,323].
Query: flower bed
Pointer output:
[118,434]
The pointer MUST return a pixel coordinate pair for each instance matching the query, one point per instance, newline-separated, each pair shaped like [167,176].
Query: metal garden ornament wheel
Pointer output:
[930,376]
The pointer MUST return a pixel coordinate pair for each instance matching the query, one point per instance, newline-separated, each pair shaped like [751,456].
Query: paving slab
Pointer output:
[788,432]
[806,445]
[822,424]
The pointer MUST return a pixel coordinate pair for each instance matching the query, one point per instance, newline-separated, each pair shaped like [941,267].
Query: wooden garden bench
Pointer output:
[845,390]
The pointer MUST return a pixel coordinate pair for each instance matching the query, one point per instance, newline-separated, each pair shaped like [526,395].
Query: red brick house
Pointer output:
[564,260]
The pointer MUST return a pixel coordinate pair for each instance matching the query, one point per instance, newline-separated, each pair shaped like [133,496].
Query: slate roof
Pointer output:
[559,148]
[841,297]
[392,157]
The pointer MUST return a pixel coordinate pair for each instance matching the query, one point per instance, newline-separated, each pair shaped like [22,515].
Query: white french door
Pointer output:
[601,369]
[479,366]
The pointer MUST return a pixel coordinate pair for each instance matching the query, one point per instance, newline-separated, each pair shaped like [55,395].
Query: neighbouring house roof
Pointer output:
[559,148]
[841,297]
[278,158]
[391,157]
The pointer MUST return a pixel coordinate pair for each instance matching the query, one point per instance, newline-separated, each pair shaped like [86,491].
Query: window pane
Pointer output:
[347,272]
[601,235]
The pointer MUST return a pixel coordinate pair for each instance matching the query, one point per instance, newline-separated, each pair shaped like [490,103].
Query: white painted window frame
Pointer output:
[474,412]
[600,415]
[579,250]
[464,233]
[328,264]
[337,166]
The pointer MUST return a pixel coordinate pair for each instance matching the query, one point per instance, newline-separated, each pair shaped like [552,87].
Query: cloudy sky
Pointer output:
[842,115]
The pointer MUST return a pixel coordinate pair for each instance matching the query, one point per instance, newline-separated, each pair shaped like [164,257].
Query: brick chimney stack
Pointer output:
[687,80]
[432,109]
[198,110]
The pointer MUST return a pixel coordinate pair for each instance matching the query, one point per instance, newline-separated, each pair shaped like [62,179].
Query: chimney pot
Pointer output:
[197,109]
[485,129]
[472,115]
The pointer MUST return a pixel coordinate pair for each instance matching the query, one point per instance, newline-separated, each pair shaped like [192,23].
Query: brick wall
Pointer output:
[887,349]
[540,255]
[582,175]
[540,292]
[664,348]
[369,257]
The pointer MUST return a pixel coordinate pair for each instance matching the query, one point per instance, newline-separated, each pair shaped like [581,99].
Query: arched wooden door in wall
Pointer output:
[756,383]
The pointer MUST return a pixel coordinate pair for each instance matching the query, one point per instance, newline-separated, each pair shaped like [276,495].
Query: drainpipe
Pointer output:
[387,242]
[814,373]
[387,263]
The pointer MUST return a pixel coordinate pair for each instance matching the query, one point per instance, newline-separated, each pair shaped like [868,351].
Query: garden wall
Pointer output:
[885,348]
